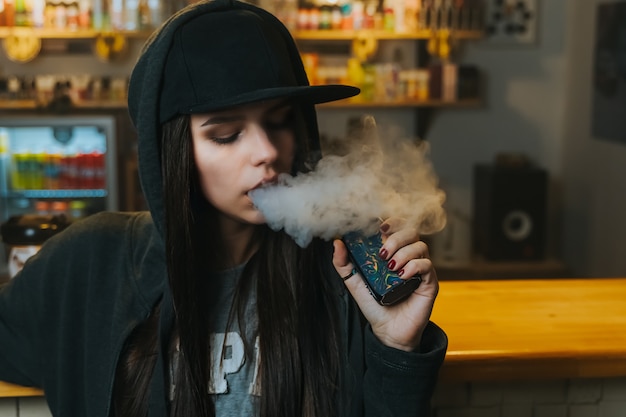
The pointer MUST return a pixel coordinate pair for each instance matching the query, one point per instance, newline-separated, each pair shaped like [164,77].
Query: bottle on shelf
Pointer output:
[52,169]
[84,14]
[21,15]
[23,176]
[144,15]
[18,170]
[9,12]
[314,18]
[99,165]
[59,208]
[60,15]
[336,17]
[4,159]
[100,14]
[358,15]
[116,10]
[347,18]
[42,207]
[85,171]
[72,15]
[325,18]
[49,13]
[131,14]
[77,209]
[67,171]
[157,12]
[38,15]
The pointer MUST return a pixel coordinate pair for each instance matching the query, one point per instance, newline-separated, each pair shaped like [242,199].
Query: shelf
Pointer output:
[114,104]
[51,33]
[88,104]
[364,43]
[76,193]
[346,35]
[331,35]
[402,104]
[425,109]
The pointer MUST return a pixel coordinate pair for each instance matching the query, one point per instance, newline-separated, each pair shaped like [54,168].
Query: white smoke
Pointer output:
[374,179]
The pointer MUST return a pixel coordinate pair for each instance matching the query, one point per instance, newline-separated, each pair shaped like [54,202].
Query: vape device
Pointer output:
[386,286]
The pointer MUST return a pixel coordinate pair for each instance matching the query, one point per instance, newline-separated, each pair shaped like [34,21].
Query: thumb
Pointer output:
[352,279]
[341,261]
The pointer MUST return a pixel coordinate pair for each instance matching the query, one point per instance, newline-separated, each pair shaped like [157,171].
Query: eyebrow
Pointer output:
[215,120]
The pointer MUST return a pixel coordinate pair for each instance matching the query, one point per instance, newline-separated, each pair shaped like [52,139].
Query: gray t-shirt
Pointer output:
[233,384]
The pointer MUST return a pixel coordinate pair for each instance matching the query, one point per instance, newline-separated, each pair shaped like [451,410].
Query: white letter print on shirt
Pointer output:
[227,357]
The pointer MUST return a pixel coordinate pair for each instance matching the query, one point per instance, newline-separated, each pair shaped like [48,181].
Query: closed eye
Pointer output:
[224,140]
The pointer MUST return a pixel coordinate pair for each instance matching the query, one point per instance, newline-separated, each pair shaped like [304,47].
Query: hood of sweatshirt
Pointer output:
[209,56]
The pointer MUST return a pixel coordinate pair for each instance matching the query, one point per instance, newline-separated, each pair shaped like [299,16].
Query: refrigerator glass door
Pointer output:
[57,165]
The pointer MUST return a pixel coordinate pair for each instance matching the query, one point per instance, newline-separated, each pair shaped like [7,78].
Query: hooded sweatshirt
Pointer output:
[65,317]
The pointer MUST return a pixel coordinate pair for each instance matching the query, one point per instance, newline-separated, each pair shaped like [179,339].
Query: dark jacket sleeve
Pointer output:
[49,310]
[65,316]
[401,384]
[20,343]
[57,312]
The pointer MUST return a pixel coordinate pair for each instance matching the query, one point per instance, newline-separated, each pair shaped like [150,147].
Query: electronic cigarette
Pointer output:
[386,286]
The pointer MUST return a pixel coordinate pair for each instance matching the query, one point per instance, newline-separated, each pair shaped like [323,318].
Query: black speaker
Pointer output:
[510,210]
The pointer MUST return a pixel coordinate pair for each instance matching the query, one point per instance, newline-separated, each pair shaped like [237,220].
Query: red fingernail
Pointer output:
[384,227]
[391,264]
[384,254]
[401,272]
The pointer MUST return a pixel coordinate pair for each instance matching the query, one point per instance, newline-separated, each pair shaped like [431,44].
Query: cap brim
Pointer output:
[315,94]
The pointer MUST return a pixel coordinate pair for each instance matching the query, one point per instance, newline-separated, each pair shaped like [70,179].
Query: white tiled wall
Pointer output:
[24,407]
[558,398]
[33,407]
[8,407]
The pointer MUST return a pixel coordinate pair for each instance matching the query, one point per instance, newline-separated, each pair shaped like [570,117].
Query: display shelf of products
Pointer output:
[87,104]
[389,85]
[403,103]
[436,80]
[87,14]
[118,104]
[57,164]
[339,34]
[53,33]
[436,29]
[53,194]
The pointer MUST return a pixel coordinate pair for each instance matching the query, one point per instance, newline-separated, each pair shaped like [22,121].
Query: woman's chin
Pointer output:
[257,218]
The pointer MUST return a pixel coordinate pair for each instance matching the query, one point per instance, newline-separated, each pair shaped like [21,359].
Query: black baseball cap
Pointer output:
[231,57]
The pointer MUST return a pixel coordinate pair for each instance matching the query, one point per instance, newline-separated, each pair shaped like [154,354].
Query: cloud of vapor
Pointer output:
[371,178]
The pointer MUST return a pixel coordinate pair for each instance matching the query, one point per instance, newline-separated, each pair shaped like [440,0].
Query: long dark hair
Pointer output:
[296,305]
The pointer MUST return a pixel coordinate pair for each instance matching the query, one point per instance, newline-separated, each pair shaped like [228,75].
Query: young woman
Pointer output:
[197,308]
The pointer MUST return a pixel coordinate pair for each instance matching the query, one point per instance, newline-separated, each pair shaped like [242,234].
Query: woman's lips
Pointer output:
[265,182]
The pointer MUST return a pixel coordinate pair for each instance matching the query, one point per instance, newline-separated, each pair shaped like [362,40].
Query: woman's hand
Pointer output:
[400,325]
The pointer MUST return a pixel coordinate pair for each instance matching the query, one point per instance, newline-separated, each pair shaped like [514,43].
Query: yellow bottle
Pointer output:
[356,74]
[4,159]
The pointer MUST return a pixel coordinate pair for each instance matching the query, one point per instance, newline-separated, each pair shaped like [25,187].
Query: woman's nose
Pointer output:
[264,150]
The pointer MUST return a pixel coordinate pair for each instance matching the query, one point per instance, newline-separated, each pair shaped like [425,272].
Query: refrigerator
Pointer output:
[64,164]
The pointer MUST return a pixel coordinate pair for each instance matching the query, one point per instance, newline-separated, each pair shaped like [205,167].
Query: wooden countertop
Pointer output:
[10,390]
[522,329]
[533,329]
